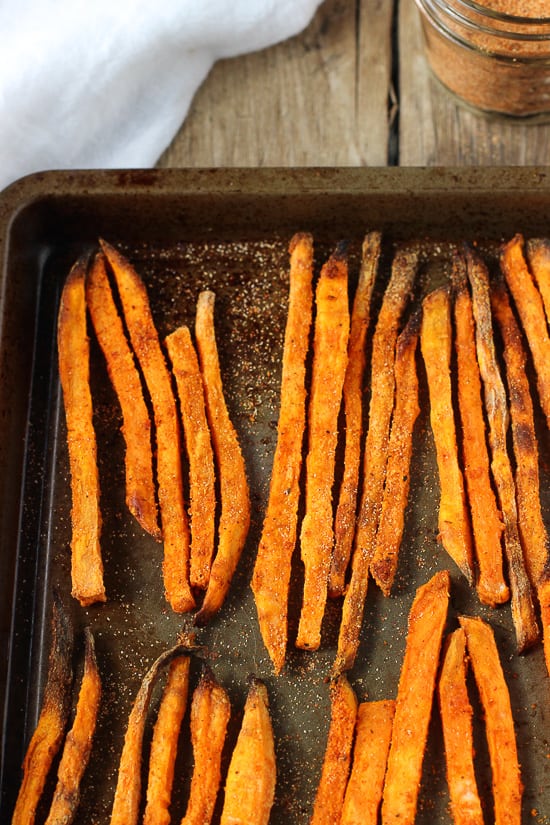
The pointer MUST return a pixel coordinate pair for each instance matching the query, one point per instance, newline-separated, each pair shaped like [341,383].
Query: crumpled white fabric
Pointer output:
[107,83]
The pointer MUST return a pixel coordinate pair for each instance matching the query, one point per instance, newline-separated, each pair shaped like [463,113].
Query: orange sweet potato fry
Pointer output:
[499,723]
[344,521]
[145,342]
[370,755]
[48,735]
[136,426]
[234,494]
[327,808]
[538,257]
[202,493]
[271,578]
[413,708]
[329,366]
[74,372]
[456,721]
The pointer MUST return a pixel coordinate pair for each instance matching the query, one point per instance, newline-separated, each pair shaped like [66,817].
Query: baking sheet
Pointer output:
[227,230]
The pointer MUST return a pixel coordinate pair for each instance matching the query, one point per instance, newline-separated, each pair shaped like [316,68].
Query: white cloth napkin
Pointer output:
[107,83]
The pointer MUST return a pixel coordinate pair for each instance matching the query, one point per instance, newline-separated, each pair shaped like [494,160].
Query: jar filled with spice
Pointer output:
[495,54]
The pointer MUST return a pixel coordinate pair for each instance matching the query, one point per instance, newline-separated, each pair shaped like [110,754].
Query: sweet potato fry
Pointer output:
[496,407]
[456,721]
[436,343]
[330,345]
[413,708]
[145,342]
[164,745]
[235,498]
[499,724]
[370,754]
[74,372]
[128,788]
[251,776]
[404,268]
[271,578]
[78,744]
[48,735]
[486,523]
[538,257]
[532,530]
[392,516]
[202,494]
[344,522]
[531,312]
[136,426]
[210,712]
[329,799]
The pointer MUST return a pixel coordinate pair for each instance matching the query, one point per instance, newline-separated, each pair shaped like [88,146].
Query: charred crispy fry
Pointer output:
[370,754]
[48,735]
[486,524]
[436,343]
[538,256]
[144,338]
[499,724]
[523,613]
[78,744]
[329,366]
[185,367]
[533,534]
[271,578]
[396,491]
[234,494]
[74,373]
[382,379]
[344,522]
[165,743]
[329,799]
[427,619]
[210,712]
[250,782]
[136,427]
[531,312]
[456,720]
[128,789]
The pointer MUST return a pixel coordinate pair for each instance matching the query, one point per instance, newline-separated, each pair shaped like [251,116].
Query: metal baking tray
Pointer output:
[228,230]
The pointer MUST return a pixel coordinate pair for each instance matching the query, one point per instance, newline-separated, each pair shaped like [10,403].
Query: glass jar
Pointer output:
[494,55]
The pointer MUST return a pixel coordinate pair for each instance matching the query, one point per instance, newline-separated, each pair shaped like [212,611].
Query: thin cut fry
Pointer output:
[344,522]
[499,723]
[329,367]
[486,522]
[202,494]
[531,312]
[382,380]
[329,799]
[496,407]
[74,372]
[250,782]
[456,721]
[392,516]
[436,344]
[532,530]
[270,582]
[48,735]
[538,256]
[210,712]
[370,754]
[144,339]
[128,789]
[413,708]
[78,744]
[136,426]
[235,498]
[165,743]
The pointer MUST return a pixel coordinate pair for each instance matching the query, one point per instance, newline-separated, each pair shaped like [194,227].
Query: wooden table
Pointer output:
[353,89]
